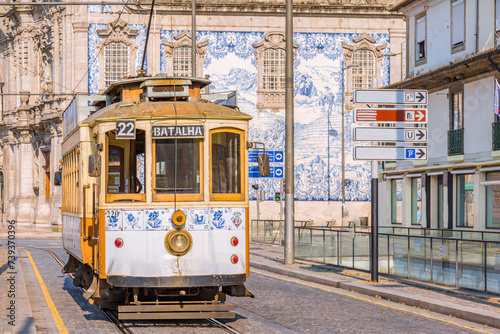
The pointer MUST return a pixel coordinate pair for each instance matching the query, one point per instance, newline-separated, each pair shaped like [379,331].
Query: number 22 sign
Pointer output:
[125,129]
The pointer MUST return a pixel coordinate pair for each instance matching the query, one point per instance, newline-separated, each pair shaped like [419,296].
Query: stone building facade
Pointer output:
[50,53]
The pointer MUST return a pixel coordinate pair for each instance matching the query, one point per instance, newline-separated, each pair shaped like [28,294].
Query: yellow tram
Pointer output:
[155,200]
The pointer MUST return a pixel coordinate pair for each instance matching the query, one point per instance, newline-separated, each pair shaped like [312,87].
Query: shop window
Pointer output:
[397,201]
[416,201]
[465,200]
[493,201]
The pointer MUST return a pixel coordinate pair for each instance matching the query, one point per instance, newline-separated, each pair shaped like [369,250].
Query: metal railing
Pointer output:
[456,142]
[451,257]
[495,136]
[272,231]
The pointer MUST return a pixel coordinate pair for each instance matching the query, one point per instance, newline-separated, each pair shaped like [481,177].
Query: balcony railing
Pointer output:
[456,142]
[495,136]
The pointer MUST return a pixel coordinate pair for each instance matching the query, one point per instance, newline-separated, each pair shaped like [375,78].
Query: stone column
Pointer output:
[26,196]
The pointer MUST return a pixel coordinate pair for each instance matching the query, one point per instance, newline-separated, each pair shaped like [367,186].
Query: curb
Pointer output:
[484,317]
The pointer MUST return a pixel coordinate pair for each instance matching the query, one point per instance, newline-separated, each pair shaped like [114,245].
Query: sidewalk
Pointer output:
[469,305]
[34,234]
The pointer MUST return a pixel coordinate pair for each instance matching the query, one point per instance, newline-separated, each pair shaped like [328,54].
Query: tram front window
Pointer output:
[226,163]
[177,173]
[126,165]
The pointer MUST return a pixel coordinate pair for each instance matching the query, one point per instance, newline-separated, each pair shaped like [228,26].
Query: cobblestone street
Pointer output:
[282,305]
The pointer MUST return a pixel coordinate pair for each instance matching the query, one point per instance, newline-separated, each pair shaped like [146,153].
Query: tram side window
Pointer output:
[226,163]
[177,173]
[126,164]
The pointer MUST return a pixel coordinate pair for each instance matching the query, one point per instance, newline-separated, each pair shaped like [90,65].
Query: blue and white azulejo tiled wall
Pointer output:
[231,64]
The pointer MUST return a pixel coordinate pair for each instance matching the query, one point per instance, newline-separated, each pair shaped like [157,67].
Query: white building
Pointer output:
[452,51]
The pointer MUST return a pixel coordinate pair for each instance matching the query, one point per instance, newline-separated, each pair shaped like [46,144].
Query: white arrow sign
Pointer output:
[409,135]
[385,153]
[389,96]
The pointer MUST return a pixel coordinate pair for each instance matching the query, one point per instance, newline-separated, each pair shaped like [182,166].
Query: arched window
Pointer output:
[363,74]
[116,62]
[273,76]
[182,61]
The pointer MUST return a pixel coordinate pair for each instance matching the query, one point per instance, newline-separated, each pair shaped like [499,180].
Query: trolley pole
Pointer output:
[289,142]
[193,37]
[374,212]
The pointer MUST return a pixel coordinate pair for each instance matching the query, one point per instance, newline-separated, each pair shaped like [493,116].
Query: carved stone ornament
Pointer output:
[363,42]
[184,39]
[272,40]
[25,97]
[118,31]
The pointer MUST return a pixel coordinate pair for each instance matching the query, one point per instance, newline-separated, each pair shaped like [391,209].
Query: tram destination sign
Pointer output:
[390,115]
[390,96]
[180,131]
[406,135]
[388,153]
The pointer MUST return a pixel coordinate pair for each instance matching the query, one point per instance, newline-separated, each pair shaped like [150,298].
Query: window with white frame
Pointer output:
[397,201]
[116,62]
[363,74]
[465,200]
[457,23]
[182,61]
[416,201]
[420,37]
[493,201]
[273,74]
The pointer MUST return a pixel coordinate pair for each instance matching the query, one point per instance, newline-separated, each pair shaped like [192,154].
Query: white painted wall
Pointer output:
[438,30]
[478,116]
[438,126]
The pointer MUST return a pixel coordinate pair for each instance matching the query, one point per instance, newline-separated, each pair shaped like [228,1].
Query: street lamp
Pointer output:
[343,138]
[393,54]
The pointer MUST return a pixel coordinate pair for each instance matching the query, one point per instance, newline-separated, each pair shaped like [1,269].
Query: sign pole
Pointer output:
[289,142]
[374,213]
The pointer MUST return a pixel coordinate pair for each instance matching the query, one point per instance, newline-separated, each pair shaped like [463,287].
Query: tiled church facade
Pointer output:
[57,49]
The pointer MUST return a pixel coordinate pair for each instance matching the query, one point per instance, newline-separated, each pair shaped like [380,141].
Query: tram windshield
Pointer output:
[125,165]
[226,163]
[177,166]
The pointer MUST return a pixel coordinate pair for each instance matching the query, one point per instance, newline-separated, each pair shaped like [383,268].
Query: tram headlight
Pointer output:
[178,242]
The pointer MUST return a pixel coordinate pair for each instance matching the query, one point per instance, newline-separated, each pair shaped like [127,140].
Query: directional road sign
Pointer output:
[276,172]
[274,156]
[408,135]
[390,115]
[390,96]
[390,153]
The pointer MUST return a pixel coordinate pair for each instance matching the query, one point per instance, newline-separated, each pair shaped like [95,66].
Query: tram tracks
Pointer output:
[119,325]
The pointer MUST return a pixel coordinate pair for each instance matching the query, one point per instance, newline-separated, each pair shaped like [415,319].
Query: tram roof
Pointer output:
[165,110]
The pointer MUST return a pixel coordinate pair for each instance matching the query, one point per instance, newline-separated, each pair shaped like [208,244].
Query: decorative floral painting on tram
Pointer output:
[197,219]
[133,220]
[158,219]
